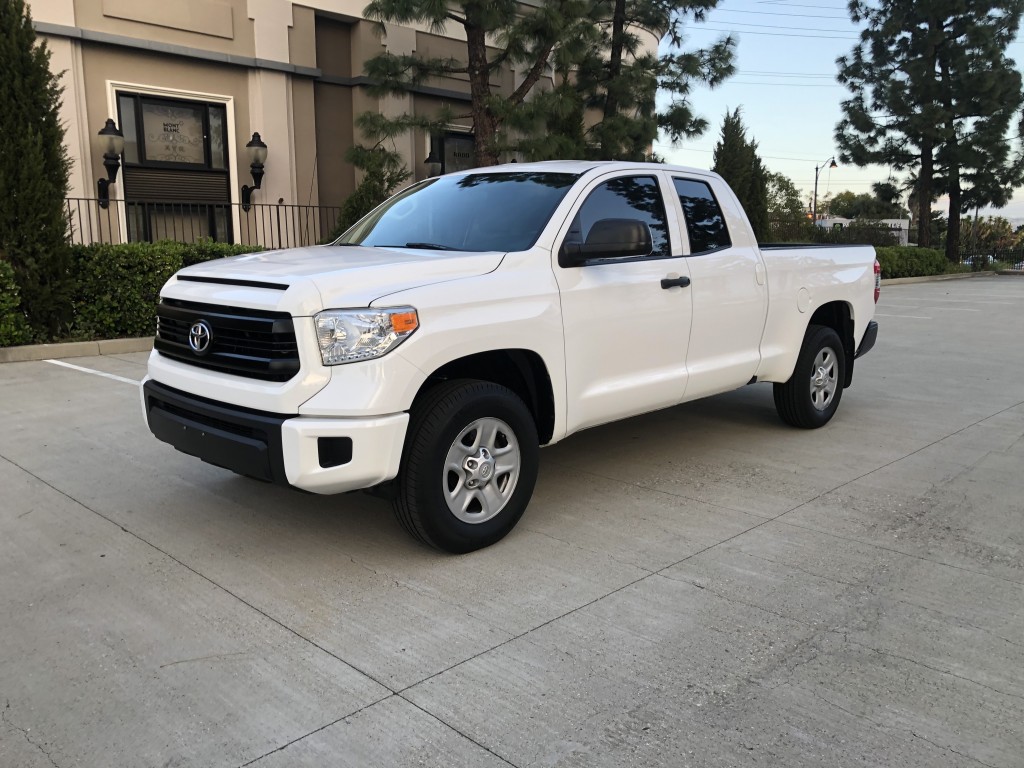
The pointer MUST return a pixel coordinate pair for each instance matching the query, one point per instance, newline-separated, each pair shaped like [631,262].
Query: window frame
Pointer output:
[673,238]
[673,177]
[137,100]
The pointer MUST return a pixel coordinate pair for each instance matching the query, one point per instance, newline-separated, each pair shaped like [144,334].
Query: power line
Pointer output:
[706,28]
[784,85]
[769,73]
[793,15]
[780,26]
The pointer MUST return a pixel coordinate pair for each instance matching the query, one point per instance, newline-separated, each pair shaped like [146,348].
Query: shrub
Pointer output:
[910,261]
[13,328]
[117,286]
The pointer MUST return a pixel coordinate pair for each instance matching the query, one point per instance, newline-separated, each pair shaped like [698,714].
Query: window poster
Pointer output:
[174,134]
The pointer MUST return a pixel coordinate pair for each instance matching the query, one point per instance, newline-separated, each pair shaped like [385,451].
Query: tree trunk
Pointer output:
[953,227]
[484,122]
[611,102]
[953,169]
[924,195]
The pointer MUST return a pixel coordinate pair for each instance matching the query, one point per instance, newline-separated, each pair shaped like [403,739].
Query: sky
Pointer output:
[785,85]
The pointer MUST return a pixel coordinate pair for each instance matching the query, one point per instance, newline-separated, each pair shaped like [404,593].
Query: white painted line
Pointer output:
[915,317]
[963,301]
[94,373]
[957,309]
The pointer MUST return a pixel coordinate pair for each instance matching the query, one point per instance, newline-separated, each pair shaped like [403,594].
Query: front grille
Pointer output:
[253,343]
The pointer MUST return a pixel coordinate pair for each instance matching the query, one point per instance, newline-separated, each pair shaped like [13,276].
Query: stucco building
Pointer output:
[190,81]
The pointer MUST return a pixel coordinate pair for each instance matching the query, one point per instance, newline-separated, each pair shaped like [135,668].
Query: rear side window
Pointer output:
[704,221]
[630,197]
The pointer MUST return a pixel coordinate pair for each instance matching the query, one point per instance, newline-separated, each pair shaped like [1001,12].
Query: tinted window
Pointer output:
[704,220]
[477,212]
[633,197]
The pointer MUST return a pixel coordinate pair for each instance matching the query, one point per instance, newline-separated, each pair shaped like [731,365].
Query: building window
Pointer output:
[176,179]
[455,151]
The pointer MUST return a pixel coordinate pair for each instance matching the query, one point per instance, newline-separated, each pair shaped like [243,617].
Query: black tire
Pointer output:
[441,417]
[801,402]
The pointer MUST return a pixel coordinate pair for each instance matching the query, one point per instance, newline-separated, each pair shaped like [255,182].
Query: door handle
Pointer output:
[675,282]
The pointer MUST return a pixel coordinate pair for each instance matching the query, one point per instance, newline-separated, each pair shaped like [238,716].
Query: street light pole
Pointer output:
[817,170]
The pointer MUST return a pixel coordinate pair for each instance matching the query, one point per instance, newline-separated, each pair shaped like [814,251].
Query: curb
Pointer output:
[32,352]
[937,278]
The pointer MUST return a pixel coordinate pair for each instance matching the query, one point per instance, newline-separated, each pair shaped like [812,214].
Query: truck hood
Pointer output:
[324,277]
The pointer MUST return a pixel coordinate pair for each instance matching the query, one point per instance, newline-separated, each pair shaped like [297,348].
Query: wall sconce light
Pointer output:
[112,144]
[257,155]
[433,161]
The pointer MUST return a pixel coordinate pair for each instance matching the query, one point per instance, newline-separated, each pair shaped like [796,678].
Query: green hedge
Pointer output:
[910,261]
[13,327]
[116,287]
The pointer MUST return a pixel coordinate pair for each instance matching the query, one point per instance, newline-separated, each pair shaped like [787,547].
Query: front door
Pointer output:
[625,335]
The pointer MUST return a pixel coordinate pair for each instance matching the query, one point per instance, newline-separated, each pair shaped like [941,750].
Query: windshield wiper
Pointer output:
[430,246]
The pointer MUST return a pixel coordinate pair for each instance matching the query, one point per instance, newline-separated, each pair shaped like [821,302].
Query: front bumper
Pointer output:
[321,455]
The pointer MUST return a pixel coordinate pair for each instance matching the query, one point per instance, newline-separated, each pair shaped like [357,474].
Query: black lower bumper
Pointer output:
[870,336]
[245,441]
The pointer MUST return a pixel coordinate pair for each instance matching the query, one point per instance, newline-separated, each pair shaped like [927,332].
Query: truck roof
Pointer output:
[581,167]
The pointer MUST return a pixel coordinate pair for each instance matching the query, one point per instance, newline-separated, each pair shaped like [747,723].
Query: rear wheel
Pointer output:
[811,396]
[469,466]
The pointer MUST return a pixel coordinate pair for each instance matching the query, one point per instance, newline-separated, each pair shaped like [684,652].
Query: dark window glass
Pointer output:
[632,197]
[476,212]
[704,221]
[126,105]
[218,150]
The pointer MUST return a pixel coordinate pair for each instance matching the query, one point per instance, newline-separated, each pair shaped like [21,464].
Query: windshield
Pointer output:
[478,212]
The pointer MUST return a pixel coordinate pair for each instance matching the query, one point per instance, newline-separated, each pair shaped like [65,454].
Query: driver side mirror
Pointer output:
[609,239]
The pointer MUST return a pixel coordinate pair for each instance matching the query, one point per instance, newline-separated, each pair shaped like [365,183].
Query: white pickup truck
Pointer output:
[472,318]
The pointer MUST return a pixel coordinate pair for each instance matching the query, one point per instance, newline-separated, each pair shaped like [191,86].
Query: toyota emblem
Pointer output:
[199,337]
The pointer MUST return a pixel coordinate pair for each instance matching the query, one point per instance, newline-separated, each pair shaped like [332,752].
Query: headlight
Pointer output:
[350,335]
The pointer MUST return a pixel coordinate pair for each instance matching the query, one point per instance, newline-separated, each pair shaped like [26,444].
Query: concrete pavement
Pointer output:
[697,587]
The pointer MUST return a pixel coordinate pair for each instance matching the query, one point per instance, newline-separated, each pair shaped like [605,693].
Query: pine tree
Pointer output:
[498,33]
[620,85]
[934,94]
[736,160]
[34,169]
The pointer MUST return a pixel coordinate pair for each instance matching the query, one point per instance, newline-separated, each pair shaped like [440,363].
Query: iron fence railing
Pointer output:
[980,258]
[803,231]
[272,225]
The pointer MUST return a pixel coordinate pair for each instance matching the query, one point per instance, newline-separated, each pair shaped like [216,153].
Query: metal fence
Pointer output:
[272,225]
[1004,258]
[803,231]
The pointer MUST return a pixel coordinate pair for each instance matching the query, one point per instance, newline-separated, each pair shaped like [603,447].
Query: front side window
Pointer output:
[704,221]
[476,212]
[630,197]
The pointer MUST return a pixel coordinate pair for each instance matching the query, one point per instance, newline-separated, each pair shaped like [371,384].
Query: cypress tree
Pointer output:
[34,167]
[736,160]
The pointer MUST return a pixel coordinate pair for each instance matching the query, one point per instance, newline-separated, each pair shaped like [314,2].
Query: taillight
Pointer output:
[878,280]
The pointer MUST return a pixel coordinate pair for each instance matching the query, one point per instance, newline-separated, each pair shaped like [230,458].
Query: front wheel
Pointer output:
[469,466]
[811,396]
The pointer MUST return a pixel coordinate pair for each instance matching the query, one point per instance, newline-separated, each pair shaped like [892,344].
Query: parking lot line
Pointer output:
[915,317]
[95,373]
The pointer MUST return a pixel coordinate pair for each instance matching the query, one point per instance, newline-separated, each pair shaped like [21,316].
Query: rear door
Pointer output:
[625,334]
[728,290]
